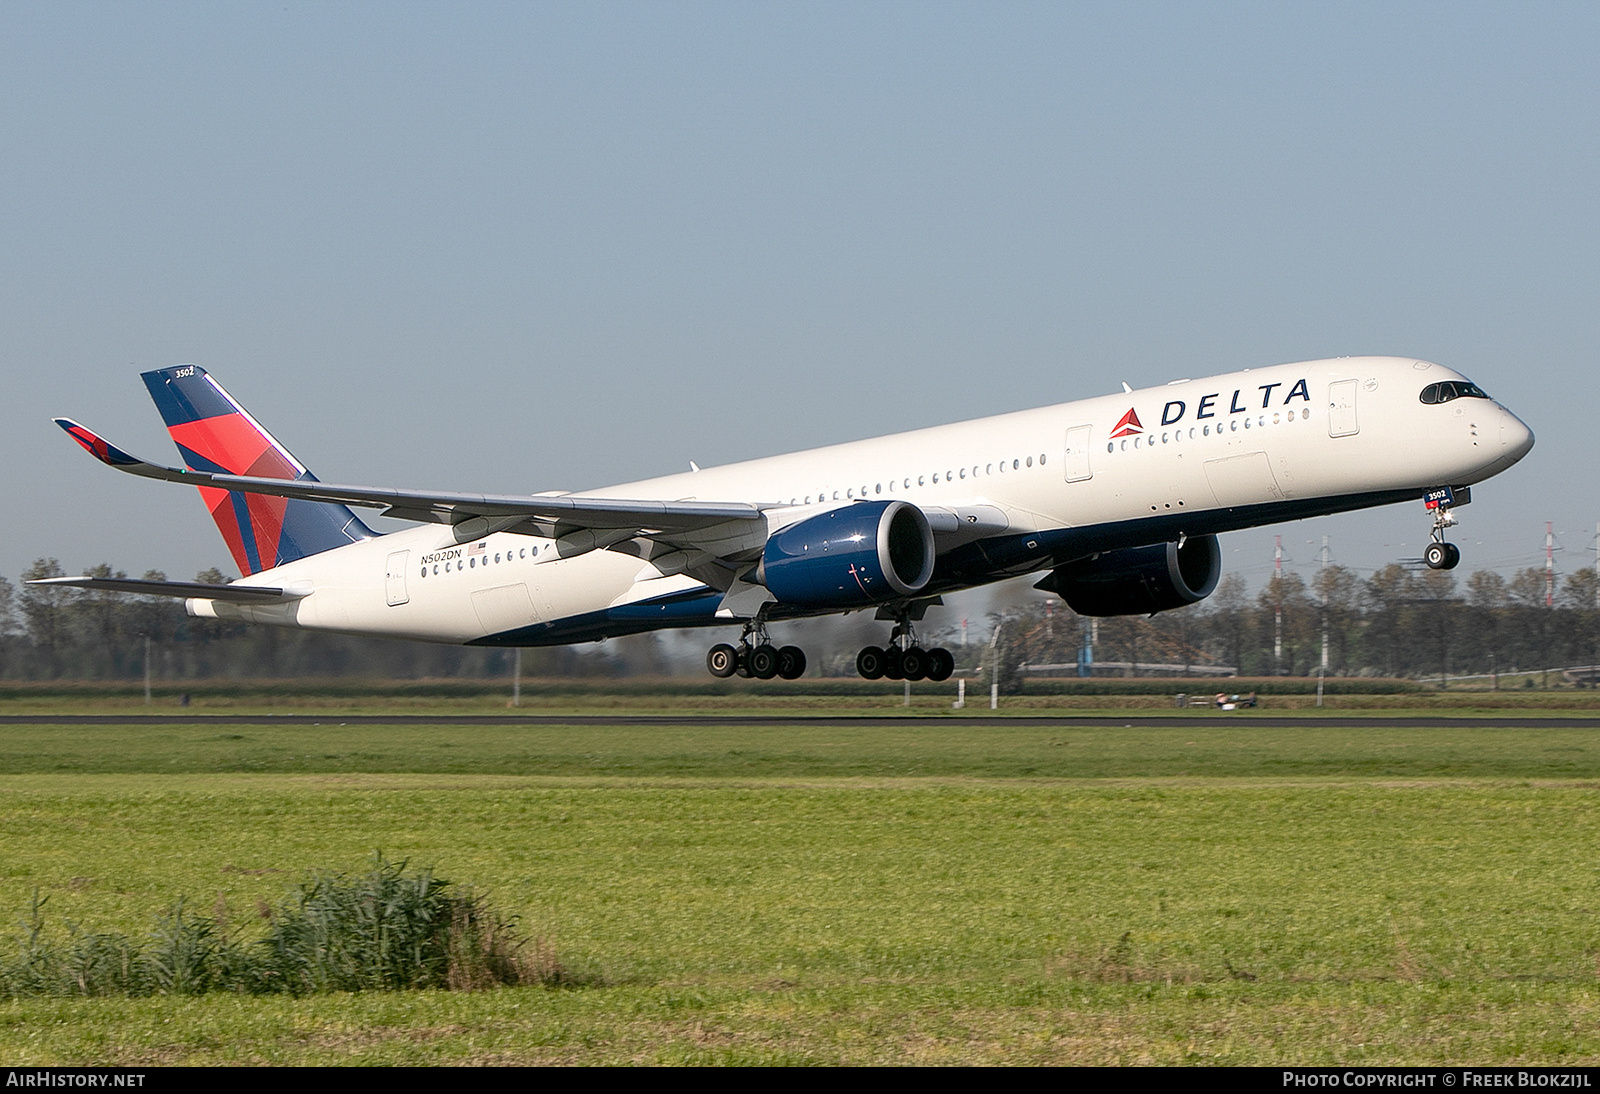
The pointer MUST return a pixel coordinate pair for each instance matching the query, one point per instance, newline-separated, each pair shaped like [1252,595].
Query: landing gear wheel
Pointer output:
[893,667]
[791,662]
[941,664]
[1437,556]
[1455,556]
[914,663]
[722,661]
[764,662]
[870,663]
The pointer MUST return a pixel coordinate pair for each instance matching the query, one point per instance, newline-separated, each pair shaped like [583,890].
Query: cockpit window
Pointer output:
[1446,390]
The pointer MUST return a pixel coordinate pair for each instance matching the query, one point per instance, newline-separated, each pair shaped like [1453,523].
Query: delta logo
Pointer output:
[1128,425]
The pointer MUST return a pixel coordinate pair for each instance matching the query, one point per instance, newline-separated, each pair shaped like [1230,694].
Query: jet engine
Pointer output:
[861,554]
[1139,580]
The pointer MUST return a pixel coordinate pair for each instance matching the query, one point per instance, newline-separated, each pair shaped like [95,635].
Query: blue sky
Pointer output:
[532,247]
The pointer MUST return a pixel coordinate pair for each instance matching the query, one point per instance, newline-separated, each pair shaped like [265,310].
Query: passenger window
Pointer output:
[1041,459]
[988,469]
[1016,464]
[1030,461]
[435,567]
[424,571]
[878,489]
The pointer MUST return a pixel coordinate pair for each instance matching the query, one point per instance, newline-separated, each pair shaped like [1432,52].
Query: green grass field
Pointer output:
[858,894]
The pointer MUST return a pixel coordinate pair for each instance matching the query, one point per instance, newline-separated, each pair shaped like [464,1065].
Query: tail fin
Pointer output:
[216,434]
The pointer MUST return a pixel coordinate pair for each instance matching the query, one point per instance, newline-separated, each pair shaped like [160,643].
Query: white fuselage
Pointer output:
[1195,456]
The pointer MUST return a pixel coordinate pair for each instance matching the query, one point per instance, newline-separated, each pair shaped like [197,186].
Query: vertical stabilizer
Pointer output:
[216,434]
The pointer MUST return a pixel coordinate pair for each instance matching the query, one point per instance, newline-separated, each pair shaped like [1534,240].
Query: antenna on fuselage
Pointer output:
[1126,390]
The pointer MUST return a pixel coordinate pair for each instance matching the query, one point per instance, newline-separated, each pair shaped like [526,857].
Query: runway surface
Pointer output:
[1020,721]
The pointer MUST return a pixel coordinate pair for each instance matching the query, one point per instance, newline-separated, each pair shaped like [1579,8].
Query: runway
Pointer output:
[1199,720]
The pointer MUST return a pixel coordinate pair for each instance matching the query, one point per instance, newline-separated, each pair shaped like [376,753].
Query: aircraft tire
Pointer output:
[764,662]
[891,664]
[791,662]
[914,663]
[1454,558]
[1437,556]
[870,663]
[941,664]
[722,660]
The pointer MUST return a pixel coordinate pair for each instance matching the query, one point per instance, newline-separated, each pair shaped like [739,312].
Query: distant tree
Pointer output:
[1228,614]
[1486,589]
[1384,598]
[46,609]
[1286,592]
[1337,589]
[1579,590]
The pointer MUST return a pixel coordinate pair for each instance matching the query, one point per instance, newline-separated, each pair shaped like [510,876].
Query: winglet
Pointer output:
[96,445]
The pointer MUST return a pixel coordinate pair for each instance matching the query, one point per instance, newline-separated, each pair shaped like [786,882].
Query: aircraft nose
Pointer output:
[1516,439]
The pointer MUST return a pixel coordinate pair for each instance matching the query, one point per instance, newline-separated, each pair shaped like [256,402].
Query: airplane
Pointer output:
[1118,499]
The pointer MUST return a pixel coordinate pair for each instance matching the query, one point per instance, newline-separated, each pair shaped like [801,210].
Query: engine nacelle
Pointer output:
[860,554]
[1139,580]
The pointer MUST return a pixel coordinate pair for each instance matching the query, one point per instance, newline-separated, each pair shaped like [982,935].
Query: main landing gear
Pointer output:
[1439,554]
[757,657]
[904,659]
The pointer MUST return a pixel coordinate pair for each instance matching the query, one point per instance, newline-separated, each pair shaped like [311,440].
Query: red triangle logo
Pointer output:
[1128,425]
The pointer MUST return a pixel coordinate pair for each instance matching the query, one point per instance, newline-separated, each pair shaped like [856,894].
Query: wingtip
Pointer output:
[94,444]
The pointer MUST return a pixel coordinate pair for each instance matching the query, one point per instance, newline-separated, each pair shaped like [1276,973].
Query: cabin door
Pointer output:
[394,578]
[1342,409]
[1078,453]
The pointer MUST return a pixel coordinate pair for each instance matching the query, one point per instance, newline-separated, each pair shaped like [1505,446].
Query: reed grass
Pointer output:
[382,930]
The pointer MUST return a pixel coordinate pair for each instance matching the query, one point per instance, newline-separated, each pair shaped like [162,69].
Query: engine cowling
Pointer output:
[1139,580]
[861,554]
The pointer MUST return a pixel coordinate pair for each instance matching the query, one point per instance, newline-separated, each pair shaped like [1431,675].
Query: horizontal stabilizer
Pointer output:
[187,590]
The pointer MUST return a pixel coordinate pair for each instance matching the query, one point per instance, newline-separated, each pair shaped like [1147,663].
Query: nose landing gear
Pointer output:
[1439,554]
[903,659]
[755,656]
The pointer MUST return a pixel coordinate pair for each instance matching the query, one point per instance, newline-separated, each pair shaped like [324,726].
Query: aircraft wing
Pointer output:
[238,594]
[539,514]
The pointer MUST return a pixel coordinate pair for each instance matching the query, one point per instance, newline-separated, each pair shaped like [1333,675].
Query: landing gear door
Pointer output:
[394,578]
[1342,409]
[1078,453]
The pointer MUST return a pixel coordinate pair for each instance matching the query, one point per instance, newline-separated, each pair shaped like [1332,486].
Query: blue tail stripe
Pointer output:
[184,399]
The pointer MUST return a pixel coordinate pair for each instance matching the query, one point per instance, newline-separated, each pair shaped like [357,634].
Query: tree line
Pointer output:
[1398,622]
